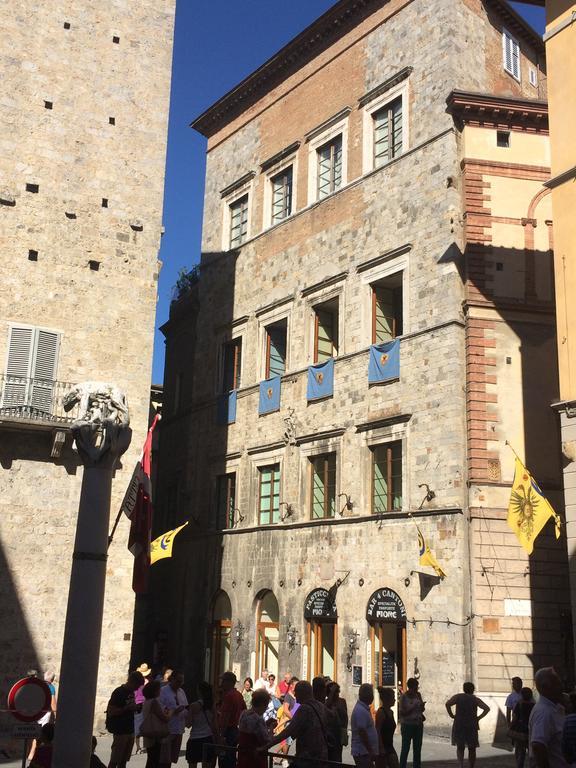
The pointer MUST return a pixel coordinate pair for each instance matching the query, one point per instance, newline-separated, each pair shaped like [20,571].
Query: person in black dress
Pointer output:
[385,726]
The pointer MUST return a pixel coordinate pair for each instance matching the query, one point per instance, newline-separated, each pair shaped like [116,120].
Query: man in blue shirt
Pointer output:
[364,736]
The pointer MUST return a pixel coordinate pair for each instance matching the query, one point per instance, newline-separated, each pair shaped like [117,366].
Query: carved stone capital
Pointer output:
[102,428]
[101,444]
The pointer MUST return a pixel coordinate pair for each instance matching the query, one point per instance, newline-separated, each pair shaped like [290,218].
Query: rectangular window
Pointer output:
[387,309]
[329,167]
[387,477]
[276,348]
[388,132]
[226,500]
[325,331]
[323,496]
[269,495]
[511,54]
[238,221]
[31,369]
[503,138]
[231,364]
[281,195]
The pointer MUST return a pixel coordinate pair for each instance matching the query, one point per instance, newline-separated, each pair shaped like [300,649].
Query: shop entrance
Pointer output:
[267,633]
[221,631]
[386,616]
[322,635]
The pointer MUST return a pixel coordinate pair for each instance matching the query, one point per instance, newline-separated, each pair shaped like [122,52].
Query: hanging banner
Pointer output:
[269,396]
[227,407]
[384,362]
[320,380]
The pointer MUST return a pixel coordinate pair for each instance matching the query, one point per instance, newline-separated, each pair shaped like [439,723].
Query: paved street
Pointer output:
[435,754]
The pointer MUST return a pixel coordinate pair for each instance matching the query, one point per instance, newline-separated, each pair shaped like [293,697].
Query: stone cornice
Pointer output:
[494,111]
[331,26]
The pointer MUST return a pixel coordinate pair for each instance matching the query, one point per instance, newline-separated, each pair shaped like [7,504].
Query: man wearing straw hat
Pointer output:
[145,671]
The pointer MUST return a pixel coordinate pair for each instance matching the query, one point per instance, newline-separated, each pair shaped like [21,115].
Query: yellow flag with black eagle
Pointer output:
[426,556]
[528,510]
[162,546]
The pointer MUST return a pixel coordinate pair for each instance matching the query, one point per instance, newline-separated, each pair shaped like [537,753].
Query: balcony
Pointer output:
[34,403]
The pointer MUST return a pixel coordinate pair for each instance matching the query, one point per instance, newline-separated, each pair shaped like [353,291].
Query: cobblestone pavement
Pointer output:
[436,753]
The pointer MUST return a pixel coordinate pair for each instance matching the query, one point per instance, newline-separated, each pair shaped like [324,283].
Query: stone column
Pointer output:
[100,442]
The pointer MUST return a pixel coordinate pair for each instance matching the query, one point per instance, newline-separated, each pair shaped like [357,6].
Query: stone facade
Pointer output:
[84,111]
[235,594]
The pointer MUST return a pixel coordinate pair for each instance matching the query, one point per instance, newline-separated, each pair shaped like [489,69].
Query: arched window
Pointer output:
[322,635]
[386,616]
[267,633]
[221,634]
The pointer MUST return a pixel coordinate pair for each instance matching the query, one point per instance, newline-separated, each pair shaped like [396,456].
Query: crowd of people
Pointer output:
[239,727]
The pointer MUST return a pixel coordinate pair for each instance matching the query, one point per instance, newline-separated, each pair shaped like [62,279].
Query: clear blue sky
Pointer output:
[216,44]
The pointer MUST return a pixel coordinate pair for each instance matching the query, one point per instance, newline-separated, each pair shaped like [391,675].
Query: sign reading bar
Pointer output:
[385,605]
[319,606]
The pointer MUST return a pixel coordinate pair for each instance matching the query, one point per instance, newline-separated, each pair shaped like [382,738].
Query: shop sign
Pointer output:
[319,606]
[385,605]
[388,669]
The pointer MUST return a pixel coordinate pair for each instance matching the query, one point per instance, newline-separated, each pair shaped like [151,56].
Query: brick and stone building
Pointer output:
[84,112]
[374,216]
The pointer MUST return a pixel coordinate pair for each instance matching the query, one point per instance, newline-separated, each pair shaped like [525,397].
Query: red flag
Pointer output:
[137,505]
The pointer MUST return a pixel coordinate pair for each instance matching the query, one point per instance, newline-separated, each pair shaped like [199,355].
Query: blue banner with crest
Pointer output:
[320,380]
[269,396]
[227,407]
[384,362]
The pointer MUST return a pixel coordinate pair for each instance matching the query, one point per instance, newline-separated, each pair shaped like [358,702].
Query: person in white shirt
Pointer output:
[513,698]
[173,698]
[262,681]
[547,721]
[364,737]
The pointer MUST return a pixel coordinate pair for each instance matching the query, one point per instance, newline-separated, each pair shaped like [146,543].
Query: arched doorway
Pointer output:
[386,616]
[322,620]
[267,633]
[221,635]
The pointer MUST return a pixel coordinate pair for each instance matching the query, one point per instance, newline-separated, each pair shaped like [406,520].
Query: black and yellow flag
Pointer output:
[162,546]
[426,556]
[529,510]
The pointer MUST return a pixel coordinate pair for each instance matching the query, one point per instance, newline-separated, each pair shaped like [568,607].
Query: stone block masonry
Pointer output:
[86,179]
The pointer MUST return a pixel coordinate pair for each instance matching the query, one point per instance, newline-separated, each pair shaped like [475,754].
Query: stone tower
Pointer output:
[84,114]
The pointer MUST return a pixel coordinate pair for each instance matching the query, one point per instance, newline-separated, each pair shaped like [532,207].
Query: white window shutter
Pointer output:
[44,370]
[20,347]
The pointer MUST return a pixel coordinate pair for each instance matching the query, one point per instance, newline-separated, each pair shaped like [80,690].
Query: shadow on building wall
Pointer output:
[24,542]
[524,300]
[192,454]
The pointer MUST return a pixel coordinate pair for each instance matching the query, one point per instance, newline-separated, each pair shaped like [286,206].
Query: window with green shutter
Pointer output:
[238,221]
[231,365]
[325,331]
[276,335]
[269,495]
[387,477]
[226,500]
[323,495]
[31,368]
[329,171]
[387,309]
[388,132]
[281,195]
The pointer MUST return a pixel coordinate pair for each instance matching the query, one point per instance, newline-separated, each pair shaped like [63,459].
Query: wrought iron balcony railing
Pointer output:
[34,400]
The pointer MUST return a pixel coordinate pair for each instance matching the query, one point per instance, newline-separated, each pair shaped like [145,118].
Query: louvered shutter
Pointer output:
[44,370]
[20,348]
